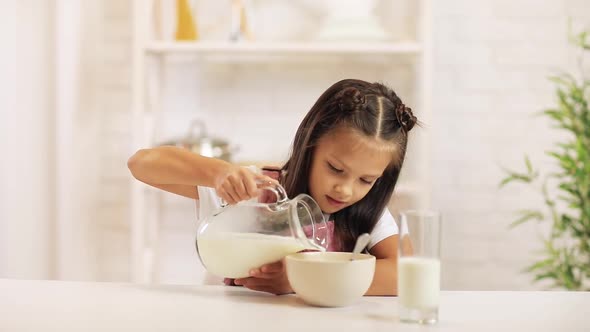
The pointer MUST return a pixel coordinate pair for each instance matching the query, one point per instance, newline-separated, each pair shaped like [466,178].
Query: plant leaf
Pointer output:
[540,264]
[529,166]
[526,215]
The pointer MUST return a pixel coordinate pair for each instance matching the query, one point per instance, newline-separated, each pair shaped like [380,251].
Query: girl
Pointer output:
[347,154]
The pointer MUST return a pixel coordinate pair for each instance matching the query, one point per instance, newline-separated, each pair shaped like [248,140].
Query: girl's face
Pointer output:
[345,165]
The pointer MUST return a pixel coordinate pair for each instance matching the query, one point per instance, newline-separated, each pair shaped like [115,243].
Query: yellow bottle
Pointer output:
[185,25]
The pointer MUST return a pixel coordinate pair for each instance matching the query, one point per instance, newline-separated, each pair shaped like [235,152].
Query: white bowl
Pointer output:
[330,279]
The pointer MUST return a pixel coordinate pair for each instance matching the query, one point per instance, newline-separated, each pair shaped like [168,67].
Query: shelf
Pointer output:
[299,48]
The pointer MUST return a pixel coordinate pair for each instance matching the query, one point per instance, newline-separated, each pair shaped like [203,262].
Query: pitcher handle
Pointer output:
[273,187]
[276,189]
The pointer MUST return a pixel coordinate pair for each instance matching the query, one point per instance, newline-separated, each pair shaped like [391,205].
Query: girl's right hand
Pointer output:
[239,184]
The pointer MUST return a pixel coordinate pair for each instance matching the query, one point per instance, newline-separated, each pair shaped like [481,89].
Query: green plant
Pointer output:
[566,254]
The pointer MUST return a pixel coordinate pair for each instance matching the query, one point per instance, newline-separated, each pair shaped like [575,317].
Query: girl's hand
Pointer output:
[270,278]
[239,184]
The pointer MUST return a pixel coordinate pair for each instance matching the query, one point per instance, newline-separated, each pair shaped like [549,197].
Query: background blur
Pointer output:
[86,83]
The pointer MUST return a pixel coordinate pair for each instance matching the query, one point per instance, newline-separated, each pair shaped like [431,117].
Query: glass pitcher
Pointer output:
[237,238]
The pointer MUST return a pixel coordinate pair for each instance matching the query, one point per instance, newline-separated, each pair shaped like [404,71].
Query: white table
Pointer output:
[77,306]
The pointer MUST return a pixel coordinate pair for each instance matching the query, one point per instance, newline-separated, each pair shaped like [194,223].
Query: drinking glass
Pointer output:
[419,266]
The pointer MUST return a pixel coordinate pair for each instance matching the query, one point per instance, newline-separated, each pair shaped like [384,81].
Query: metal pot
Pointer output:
[199,142]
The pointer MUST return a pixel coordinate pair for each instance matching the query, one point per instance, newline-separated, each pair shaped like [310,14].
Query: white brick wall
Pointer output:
[491,60]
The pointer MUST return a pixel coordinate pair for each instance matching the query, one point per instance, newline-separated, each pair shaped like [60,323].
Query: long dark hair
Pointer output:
[371,109]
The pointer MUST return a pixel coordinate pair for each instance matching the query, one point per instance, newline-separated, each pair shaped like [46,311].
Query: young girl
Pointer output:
[347,154]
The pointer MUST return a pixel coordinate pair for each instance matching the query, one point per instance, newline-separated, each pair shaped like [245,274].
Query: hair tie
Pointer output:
[405,117]
[350,99]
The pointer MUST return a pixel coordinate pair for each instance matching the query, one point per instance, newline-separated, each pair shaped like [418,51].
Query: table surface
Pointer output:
[35,305]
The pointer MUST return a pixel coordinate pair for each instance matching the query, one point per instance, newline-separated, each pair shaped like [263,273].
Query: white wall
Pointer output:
[26,140]
[491,63]
[491,60]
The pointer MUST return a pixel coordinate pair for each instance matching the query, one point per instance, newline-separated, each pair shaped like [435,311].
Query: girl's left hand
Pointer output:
[270,278]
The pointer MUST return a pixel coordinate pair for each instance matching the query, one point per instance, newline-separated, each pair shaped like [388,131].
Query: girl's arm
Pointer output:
[385,279]
[180,171]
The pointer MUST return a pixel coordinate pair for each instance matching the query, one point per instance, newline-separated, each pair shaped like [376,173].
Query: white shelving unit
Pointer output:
[286,49]
[149,59]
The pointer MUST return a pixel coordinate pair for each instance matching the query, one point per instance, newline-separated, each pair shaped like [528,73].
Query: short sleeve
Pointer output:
[384,228]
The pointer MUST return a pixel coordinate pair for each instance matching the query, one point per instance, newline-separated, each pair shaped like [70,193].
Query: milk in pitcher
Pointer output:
[233,255]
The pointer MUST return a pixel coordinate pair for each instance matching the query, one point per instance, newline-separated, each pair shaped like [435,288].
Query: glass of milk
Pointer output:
[418,276]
